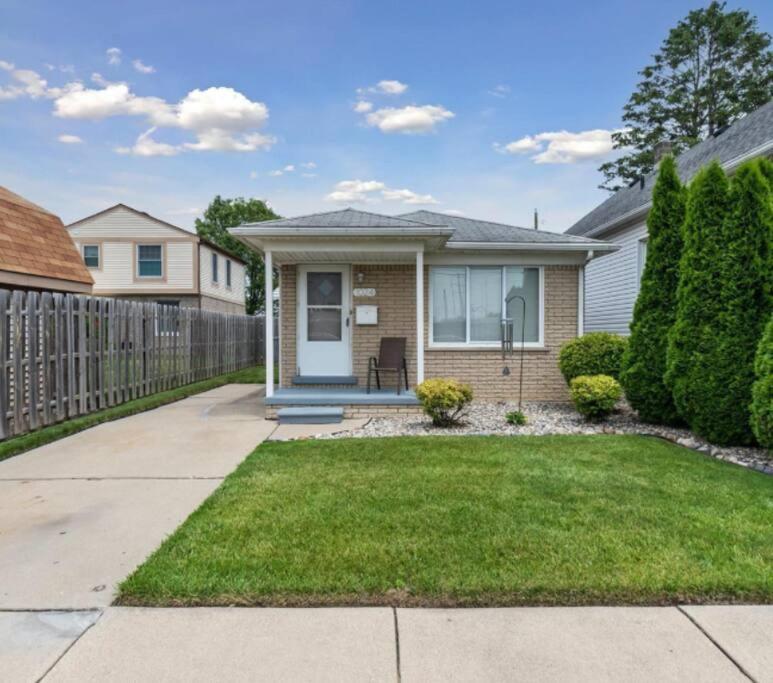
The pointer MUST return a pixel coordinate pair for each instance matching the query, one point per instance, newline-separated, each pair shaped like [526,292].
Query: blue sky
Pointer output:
[490,109]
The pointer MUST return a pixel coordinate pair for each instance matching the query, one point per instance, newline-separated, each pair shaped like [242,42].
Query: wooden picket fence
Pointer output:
[64,355]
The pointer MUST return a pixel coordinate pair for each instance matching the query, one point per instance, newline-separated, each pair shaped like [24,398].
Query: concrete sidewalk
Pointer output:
[78,515]
[382,644]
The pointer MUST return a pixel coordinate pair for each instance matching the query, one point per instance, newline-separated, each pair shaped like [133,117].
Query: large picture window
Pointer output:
[468,304]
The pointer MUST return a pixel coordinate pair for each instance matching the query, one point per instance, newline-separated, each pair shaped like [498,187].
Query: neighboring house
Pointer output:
[349,278]
[36,253]
[612,284]
[133,255]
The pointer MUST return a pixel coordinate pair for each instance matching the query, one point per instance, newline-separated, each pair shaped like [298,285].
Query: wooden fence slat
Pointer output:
[4,351]
[46,390]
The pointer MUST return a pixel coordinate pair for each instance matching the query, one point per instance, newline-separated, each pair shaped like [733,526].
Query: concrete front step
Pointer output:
[310,415]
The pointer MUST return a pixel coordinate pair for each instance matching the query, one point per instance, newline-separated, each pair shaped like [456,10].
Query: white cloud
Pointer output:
[410,119]
[222,119]
[500,90]
[562,147]
[363,191]
[276,173]
[253,175]
[309,164]
[408,197]
[281,171]
[362,106]
[69,139]
[143,68]
[385,88]
[146,146]
[308,175]
[113,56]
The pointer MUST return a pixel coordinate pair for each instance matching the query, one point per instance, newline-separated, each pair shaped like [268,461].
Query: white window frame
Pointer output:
[539,344]
[214,266]
[137,260]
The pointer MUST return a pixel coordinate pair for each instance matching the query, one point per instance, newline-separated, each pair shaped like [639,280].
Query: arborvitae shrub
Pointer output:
[762,391]
[699,294]
[722,415]
[644,362]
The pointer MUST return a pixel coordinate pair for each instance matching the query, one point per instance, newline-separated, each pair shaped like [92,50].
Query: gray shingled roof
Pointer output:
[744,136]
[473,230]
[345,218]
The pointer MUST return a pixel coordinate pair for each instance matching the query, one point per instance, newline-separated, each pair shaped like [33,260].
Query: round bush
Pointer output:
[762,391]
[595,396]
[444,400]
[596,353]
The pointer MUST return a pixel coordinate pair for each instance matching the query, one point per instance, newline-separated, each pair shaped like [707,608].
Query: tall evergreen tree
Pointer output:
[644,362]
[762,391]
[699,302]
[722,416]
[714,66]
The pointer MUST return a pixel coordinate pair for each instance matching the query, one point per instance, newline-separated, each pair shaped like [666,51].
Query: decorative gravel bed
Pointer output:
[553,418]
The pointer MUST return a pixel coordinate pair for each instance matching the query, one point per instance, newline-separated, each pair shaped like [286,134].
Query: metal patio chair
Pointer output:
[391,358]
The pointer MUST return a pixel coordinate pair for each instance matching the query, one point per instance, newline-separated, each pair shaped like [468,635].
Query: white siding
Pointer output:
[117,232]
[612,283]
[207,287]
[123,223]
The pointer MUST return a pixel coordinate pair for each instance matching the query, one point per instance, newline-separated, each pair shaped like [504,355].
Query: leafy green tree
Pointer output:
[644,362]
[222,214]
[714,67]
[699,293]
[746,304]
[762,391]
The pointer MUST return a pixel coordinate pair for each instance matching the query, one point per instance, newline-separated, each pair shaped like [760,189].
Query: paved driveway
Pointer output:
[77,515]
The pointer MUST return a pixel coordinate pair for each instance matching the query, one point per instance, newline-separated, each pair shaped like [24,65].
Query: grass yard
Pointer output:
[25,442]
[471,521]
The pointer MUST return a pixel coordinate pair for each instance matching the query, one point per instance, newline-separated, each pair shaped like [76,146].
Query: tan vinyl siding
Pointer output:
[122,223]
[612,283]
[234,294]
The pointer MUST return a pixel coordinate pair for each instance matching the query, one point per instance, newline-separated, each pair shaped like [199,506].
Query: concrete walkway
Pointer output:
[380,644]
[77,515]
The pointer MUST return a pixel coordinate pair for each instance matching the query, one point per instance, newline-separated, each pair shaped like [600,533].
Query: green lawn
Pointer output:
[25,442]
[471,521]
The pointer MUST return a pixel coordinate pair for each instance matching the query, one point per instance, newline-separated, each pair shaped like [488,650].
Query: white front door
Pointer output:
[324,329]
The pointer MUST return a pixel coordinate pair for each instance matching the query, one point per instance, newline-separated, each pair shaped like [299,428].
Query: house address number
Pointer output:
[364,291]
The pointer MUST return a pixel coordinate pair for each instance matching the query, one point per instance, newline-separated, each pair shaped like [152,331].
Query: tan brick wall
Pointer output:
[395,287]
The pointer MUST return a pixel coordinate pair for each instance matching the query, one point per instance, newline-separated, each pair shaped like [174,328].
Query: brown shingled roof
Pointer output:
[34,242]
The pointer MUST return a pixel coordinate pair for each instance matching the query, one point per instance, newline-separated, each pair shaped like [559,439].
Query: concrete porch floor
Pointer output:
[311,396]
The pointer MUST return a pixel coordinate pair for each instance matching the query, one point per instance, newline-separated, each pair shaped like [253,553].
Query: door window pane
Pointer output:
[149,260]
[523,282]
[449,304]
[323,289]
[485,304]
[324,324]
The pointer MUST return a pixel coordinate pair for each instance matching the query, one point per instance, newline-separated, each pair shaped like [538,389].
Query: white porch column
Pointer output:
[419,317]
[269,319]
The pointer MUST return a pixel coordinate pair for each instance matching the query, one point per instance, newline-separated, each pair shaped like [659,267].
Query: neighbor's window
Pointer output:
[228,272]
[149,260]
[91,255]
[214,268]
[642,257]
[468,303]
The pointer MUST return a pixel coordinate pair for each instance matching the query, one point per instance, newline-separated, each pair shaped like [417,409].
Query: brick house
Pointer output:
[349,278]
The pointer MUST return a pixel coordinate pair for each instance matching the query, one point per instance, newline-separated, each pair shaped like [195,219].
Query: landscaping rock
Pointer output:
[553,418]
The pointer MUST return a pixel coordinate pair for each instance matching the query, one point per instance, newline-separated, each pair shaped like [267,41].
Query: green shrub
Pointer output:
[596,353]
[644,362]
[762,391]
[444,400]
[595,396]
[722,415]
[699,294]
[516,418]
